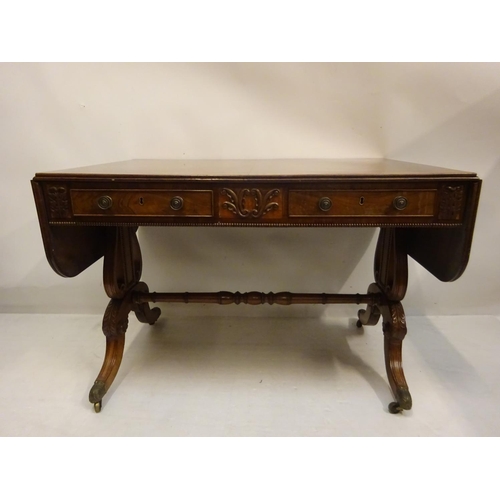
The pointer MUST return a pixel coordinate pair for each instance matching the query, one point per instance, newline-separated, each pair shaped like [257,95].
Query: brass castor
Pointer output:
[395,408]
[359,324]
[98,406]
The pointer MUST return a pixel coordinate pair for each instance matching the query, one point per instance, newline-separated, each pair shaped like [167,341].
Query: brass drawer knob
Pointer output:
[325,204]
[105,202]
[400,203]
[176,203]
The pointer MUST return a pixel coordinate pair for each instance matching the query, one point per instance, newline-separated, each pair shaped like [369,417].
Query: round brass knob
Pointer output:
[325,204]
[176,203]
[104,202]
[400,203]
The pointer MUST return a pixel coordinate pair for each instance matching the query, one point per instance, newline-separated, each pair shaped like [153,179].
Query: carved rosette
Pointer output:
[451,203]
[250,203]
[58,202]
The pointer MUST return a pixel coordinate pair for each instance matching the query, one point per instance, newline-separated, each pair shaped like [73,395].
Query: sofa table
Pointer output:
[91,212]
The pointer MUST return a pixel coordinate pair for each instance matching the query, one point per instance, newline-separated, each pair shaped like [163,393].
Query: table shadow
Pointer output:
[237,346]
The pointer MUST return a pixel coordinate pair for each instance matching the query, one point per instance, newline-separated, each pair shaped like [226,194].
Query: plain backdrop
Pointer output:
[63,115]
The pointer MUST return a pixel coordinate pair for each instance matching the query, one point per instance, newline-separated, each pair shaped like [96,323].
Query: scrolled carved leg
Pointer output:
[121,274]
[114,326]
[391,280]
[371,314]
[394,328]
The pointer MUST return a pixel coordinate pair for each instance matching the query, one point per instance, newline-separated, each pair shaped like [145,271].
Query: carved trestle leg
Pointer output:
[114,326]
[394,328]
[391,275]
[122,271]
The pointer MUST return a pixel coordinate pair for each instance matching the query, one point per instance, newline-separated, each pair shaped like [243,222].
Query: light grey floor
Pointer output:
[235,376]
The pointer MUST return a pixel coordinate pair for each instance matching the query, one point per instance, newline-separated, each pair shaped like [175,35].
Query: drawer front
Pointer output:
[362,203]
[142,203]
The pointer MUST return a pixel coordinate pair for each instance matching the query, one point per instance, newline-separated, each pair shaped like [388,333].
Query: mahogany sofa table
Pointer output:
[91,212]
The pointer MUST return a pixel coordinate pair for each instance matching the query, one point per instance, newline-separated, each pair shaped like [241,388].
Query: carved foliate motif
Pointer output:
[396,328]
[450,206]
[250,202]
[115,321]
[58,202]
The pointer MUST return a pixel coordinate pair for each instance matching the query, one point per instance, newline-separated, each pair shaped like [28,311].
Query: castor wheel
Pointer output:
[359,324]
[395,408]
[98,406]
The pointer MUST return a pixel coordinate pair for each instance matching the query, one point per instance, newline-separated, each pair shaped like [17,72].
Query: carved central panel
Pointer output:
[250,203]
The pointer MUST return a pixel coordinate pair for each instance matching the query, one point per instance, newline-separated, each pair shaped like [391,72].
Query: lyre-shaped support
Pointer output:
[391,275]
[114,326]
[122,271]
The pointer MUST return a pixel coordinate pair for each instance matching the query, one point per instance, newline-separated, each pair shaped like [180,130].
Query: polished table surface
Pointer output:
[349,167]
[425,212]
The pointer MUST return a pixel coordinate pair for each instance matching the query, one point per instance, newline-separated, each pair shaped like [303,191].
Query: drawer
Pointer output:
[142,203]
[362,203]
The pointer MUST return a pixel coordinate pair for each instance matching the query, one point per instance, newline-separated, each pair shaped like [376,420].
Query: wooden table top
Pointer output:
[276,168]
